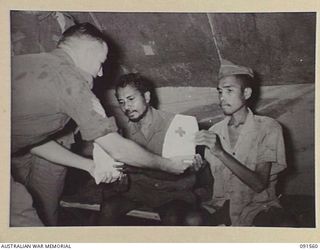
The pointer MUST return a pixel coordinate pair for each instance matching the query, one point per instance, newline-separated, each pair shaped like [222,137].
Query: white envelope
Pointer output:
[179,139]
[103,164]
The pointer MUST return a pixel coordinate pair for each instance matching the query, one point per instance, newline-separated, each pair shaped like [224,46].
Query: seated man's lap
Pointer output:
[274,217]
[173,213]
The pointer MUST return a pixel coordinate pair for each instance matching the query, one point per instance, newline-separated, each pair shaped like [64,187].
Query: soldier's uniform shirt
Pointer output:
[151,187]
[48,90]
[260,141]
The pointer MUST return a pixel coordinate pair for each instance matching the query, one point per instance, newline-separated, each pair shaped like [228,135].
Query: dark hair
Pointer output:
[135,80]
[246,81]
[82,31]
[253,83]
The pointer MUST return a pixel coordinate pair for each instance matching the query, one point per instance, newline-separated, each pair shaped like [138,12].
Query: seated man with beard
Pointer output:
[172,196]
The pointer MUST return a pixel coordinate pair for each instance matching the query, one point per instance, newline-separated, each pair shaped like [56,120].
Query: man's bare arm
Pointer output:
[54,152]
[258,180]
[130,153]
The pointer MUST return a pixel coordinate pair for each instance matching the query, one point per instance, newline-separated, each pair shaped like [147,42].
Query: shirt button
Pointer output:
[156,185]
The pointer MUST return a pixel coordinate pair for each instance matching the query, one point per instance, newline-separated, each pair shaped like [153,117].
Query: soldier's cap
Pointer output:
[228,68]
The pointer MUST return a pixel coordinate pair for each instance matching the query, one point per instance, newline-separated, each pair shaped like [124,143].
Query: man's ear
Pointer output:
[247,93]
[147,96]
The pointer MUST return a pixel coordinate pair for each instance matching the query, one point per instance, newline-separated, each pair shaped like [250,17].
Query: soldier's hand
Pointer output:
[179,164]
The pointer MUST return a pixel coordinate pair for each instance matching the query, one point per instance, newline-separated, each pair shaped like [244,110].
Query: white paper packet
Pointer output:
[179,139]
[104,163]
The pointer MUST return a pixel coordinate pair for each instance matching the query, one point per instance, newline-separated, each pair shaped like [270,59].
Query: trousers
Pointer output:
[44,180]
[22,212]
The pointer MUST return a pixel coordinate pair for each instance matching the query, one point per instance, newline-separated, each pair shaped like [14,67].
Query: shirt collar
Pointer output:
[243,120]
[232,122]
[249,124]
[244,138]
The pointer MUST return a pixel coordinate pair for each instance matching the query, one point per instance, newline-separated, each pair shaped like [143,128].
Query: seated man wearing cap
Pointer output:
[245,152]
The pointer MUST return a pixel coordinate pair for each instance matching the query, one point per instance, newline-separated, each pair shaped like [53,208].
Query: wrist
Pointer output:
[90,165]
[163,164]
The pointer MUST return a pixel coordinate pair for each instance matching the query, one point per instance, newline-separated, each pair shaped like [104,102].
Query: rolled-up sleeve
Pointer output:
[77,101]
[272,149]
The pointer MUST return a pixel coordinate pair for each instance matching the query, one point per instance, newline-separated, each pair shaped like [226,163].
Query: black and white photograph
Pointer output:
[162,119]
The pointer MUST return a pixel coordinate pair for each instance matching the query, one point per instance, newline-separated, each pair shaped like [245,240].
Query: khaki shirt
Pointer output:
[260,141]
[154,187]
[47,90]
